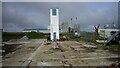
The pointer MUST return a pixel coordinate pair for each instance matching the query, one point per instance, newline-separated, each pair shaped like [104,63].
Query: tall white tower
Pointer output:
[54,24]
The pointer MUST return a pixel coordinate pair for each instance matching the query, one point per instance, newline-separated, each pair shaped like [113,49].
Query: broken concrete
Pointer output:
[69,53]
[23,39]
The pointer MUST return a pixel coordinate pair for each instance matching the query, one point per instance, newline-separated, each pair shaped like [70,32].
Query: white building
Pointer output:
[106,32]
[54,24]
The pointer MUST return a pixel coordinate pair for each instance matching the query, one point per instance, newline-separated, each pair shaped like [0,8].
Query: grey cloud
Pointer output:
[22,15]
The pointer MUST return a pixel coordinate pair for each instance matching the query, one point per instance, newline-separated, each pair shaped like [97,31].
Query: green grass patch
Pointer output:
[17,35]
[67,34]
[114,47]
[81,39]
[35,35]
[12,35]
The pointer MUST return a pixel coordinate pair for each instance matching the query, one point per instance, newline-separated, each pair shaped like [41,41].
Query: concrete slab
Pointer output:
[23,53]
[70,57]
[70,53]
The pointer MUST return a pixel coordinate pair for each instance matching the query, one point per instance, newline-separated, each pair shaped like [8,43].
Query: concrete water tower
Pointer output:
[54,24]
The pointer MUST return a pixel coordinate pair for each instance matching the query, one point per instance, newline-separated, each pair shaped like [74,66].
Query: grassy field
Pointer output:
[17,35]
[85,36]
[91,37]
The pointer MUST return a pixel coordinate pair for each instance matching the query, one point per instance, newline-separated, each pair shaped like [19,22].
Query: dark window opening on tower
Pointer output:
[53,11]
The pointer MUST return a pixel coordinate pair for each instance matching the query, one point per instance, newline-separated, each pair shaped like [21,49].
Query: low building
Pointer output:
[106,32]
[45,30]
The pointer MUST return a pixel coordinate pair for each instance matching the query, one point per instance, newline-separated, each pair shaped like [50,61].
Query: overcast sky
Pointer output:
[21,15]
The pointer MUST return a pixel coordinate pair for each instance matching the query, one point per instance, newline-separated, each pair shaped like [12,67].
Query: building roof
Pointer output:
[38,29]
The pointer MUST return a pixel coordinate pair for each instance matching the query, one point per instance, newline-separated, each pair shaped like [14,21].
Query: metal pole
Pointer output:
[104,35]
